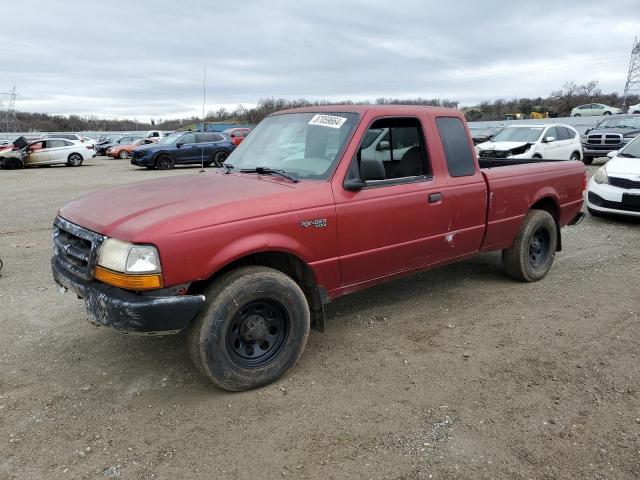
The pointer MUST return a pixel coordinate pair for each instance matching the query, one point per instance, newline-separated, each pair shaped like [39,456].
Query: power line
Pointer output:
[10,122]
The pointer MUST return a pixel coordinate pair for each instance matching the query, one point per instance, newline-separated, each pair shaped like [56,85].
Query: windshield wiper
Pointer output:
[270,171]
[627,155]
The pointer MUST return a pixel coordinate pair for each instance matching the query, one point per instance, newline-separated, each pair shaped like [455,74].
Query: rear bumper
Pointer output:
[129,312]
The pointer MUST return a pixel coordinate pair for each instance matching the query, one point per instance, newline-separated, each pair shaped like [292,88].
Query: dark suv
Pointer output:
[612,133]
[182,148]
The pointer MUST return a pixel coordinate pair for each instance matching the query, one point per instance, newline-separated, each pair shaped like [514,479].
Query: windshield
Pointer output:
[627,122]
[632,149]
[303,144]
[171,139]
[518,134]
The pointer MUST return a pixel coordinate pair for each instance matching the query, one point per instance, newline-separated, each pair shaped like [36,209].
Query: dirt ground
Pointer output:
[454,373]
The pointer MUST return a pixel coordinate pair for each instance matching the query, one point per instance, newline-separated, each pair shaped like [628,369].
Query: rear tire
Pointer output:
[587,160]
[606,113]
[537,156]
[74,160]
[252,330]
[577,115]
[164,162]
[532,253]
[123,154]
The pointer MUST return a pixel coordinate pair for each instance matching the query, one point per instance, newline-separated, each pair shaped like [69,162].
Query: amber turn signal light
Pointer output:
[128,281]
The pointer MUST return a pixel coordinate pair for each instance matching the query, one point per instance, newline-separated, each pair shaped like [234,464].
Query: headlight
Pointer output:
[601,176]
[125,257]
[628,139]
[128,266]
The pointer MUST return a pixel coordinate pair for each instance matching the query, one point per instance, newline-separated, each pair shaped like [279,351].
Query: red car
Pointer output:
[237,134]
[323,202]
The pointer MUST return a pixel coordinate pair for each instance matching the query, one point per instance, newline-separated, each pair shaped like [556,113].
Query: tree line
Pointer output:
[558,104]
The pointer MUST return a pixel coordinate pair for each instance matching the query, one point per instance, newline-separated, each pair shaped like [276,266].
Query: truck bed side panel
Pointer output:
[513,190]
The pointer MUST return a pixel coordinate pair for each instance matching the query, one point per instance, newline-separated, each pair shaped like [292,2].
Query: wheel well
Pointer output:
[549,205]
[288,264]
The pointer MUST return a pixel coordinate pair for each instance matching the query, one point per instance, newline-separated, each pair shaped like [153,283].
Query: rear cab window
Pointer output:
[457,150]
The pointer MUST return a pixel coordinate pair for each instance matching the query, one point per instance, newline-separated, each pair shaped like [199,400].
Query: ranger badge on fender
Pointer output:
[317,223]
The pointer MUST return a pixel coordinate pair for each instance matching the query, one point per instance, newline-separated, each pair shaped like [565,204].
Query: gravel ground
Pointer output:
[454,373]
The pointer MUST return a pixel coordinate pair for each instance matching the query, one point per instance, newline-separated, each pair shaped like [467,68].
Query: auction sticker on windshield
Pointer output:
[327,121]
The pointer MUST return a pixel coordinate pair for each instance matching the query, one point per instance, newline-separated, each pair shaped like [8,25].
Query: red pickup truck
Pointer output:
[314,204]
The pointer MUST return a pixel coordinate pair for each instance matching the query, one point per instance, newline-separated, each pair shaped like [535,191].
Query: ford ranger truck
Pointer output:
[244,257]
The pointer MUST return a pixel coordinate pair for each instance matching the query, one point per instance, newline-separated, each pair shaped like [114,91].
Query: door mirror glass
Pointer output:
[383,145]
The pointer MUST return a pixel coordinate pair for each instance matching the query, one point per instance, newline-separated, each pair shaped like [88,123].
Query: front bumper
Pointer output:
[609,199]
[141,161]
[126,311]
[595,151]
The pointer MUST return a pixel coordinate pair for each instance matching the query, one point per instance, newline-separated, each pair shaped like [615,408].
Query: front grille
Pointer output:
[494,153]
[626,205]
[624,182]
[76,247]
[604,139]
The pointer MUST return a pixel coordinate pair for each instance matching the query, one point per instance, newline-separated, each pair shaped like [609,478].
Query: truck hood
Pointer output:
[139,211]
[501,146]
[629,167]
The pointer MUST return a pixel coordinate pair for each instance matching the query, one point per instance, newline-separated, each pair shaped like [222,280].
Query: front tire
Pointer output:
[577,115]
[532,253]
[252,330]
[74,160]
[587,160]
[164,162]
[220,157]
[606,113]
[123,155]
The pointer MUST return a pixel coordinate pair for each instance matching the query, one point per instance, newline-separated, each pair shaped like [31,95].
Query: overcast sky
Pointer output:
[142,59]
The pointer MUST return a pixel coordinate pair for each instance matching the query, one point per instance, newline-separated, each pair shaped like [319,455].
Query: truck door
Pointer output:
[396,220]
[467,190]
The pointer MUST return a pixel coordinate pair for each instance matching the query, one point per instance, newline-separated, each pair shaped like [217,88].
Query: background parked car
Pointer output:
[615,187]
[101,148]
[237,134]
[124,151]
[594,110]
[610,134]
[184,148]
[49,151]
[483,134]
[554,141]
[634,108]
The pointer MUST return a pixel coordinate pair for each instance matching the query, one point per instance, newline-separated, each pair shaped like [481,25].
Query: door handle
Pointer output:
[435,197]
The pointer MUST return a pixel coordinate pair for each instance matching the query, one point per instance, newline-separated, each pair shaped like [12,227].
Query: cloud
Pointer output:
[145,59]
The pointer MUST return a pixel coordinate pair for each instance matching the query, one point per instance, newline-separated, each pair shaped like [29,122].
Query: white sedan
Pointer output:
[615,187]
[634,108]
[49,151]
[553,141]
[594,110]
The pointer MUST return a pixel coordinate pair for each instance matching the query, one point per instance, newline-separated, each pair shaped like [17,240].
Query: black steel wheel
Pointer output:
[252,330]
[257,333]
[539,247]
[532,253]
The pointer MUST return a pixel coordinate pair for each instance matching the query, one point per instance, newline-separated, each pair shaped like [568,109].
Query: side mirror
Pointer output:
[587,130]
[613,153]
[550,139]
[384,145]
[354,184]
[178,145]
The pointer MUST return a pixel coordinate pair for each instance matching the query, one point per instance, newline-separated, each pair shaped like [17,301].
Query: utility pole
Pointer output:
[8,112]
[633,77]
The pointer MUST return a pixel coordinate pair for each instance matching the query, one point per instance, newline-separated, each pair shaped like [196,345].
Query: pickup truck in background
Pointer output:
[244,258]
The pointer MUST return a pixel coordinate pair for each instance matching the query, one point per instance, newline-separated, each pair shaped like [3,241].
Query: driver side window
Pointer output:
[393,148]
